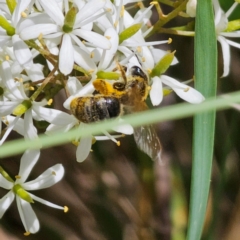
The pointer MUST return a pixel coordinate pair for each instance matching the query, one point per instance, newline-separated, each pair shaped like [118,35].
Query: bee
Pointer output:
[119,98]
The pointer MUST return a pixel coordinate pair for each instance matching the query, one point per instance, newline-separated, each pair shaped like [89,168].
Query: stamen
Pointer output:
[170,40]
[54,173]
[31,88]
[186,89]
[17,177]
[23,15]
[92,55]
[7,58]
[108,37]
[50,101]
[26,234]
[65,209]
[139,49]
[122,11]
[115,24]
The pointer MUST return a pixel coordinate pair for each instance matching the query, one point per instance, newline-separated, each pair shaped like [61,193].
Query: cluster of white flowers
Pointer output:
[90,39]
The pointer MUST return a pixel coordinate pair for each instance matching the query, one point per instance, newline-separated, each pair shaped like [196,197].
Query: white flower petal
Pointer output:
[109,54]
[124,128]
[66,59]
[191,8]
[47,203]
[35,73]
[185,92]
[94,38]
[52,115]
[52,128]
[84,148]
[5,202]
[231,34]
[20,7]
[156,92]
[89,9]
[34,31]
[73,85]
[83,59]
[53,11]
[232,43]
[27,215]
[4,183]
[8,80]
[6,108]
[226,55]
[28,161]
[47,179]
[22,51]
[30,131]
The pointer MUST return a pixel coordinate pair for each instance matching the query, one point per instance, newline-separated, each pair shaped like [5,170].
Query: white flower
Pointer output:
[12,38]
[53,27]
[19,189]
[221,24]
[16,101]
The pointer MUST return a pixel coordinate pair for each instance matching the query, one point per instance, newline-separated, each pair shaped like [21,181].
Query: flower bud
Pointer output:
[22,108]
[129,32]
[162,65]
[7,26]
[108,75]
[233,25]
[22,193]
[69,20]
[11,5]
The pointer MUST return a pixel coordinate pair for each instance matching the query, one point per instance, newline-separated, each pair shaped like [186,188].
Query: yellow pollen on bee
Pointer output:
[92,55]
[54,173]
[118,143]
[23,15]
[7,58]
[26,233]
[65,209]
[17,177]
[50,101]
[108,37]
[170,40]
[186,89]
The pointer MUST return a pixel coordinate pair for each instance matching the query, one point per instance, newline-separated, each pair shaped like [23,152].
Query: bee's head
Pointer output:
[137,71]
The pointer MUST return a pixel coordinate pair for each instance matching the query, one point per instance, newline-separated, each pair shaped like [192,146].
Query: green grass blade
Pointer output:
[137,119]
[204,124]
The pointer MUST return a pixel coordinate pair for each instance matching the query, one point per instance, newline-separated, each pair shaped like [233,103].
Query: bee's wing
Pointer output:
[147,140]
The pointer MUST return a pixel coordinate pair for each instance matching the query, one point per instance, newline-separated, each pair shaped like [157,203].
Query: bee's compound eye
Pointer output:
[137,71]
[119,86]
